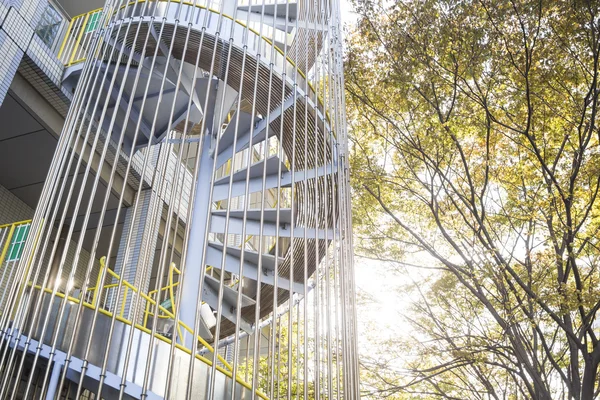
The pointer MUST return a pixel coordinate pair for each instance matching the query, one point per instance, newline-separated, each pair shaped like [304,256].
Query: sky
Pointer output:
[348,14]
[383,297]
[379,302]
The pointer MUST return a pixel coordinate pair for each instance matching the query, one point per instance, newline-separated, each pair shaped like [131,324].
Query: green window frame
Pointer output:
[92,23]
[17,243]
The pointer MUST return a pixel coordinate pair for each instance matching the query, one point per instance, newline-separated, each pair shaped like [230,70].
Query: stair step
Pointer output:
[244,124]
[256,170]
[267,260]
[270,214]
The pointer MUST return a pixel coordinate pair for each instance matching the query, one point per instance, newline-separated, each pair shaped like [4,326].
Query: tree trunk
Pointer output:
[590,372]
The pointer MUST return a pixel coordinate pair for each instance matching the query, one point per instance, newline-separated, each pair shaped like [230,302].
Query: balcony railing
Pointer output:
[78,37]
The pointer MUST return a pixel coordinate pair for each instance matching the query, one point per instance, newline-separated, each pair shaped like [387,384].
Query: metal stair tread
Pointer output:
[273,164]
[269,214]
[267,260]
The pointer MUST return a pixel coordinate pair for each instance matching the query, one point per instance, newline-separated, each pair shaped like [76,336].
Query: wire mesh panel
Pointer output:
[193,239]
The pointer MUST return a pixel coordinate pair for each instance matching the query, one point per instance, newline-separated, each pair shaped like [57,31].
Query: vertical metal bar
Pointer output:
[7,244]
[191,206]
[201,262]
[162,259]
[275,326]
[81,31]
[66,38]
[84,75]
[257,311]
[54,379]
[129,236]
[103,271]
[318,253]
[37,225]
[244,42]
[70,229]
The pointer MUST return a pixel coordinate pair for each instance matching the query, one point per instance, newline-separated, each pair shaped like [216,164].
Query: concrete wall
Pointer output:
[18,19]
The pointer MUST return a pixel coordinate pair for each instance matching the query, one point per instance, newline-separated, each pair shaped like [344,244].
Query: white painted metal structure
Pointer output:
[227,120]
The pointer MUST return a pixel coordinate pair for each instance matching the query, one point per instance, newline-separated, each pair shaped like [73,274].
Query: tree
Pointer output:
[281,375]
[475,139]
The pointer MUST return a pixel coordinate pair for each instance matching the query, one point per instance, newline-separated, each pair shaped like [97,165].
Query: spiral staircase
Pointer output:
[259,171]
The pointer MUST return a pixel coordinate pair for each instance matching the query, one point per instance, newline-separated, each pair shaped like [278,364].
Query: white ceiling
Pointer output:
[76,7]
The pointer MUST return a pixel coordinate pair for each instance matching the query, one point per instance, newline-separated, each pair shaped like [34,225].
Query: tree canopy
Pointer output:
[475,141]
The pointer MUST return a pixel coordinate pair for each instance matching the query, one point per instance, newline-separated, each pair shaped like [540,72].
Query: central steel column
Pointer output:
[194,263]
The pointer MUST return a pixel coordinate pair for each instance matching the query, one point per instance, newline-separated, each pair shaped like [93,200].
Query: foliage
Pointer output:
[288,373]
[475,139]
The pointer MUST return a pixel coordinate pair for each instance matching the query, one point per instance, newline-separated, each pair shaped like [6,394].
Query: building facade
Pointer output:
[174,201]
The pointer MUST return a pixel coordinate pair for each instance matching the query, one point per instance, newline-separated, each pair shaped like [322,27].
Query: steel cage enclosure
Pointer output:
[193,237]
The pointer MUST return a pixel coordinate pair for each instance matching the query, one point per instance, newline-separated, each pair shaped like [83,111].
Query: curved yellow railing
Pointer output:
[86,19]
[149,300]
[205,360]
[168,314]
[83,26]
[8,248]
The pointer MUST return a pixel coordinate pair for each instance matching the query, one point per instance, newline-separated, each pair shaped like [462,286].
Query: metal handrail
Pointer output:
[74,47]
[187,3]
[79,28]
[158,336]
[227,370]
[150,301]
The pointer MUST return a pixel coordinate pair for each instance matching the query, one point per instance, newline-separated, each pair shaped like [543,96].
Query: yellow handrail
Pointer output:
[157,336]
[202,7]
[64,42]
[152,302]
[187,3]
[147,312]
[81,31]
[76,32]
[15,223]
[120,317]
[7,243]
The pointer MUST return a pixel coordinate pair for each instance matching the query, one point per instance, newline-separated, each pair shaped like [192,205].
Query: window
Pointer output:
[17,243]
[49,25]
[92,23]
